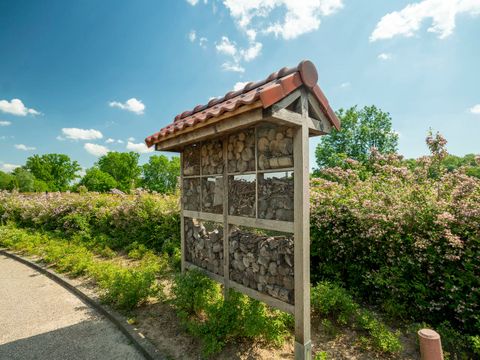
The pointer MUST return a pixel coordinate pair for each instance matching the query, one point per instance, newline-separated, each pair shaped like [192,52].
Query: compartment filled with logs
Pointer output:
[241,151]
[274,146]
[263,263]
[191,194]
[204,245]
[212,194]
[275,196]
[191,160]
[212,157]
[241,195]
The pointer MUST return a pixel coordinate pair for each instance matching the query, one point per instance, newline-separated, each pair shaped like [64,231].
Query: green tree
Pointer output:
[161,174]
[361,130]
[56,170]
[97,180]
[7,181]
[123,167]
[24,180]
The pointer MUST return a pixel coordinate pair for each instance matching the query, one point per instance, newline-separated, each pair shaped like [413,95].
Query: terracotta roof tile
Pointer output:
[269,91]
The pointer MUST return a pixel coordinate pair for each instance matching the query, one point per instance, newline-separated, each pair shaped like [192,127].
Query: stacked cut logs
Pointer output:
[191,194]
[263,263]
[275,147]
[191,160]
[241,151]
[241,195]
[212,157]
[204,248]
[212,192]
[275,198]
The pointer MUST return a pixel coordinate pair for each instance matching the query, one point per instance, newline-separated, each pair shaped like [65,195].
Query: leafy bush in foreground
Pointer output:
[217,321]
[122,287]
[333,303]
[408,240]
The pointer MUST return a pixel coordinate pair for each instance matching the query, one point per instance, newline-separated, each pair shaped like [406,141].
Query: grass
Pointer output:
[123,287]
[335,306]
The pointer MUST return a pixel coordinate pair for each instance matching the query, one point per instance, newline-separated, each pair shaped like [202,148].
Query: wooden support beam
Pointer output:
[324,125]
[182,220]
[288,117]
[267,299]
[226,226]
[200,215]
[303,345]
[285,102]
[275,225]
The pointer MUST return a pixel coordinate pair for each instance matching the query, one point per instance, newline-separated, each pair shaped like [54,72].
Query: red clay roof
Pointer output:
[268,91]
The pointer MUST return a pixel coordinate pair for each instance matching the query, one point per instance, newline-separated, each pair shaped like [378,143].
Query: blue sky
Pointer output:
[93,76]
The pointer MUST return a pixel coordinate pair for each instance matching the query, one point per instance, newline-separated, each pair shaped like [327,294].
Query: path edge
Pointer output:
[143,345]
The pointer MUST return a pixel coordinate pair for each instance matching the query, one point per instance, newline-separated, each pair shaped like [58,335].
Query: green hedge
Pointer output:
[147,219]
[401,238]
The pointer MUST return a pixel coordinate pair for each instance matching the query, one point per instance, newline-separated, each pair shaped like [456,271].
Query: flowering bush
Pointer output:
[148,219]
[407,239]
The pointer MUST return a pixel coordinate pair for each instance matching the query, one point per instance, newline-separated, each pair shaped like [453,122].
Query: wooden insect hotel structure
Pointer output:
[245,188]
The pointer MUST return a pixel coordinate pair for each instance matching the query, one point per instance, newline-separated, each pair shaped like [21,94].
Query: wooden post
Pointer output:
[303,344]
[226,226]
[182,220]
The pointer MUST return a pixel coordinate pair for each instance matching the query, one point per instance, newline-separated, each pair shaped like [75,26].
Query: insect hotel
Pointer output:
[245,188]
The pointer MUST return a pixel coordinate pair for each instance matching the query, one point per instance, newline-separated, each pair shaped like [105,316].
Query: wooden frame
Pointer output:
[300,111]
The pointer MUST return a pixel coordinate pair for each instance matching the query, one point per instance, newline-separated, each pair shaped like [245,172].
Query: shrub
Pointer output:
[334,303]
[123,287]
[151,220]
[406,239]
[217,321]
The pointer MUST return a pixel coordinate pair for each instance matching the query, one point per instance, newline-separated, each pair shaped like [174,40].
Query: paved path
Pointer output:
[39,320]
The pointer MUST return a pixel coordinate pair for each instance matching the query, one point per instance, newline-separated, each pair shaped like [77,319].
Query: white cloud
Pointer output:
[384,56]
[81,134]
[95,149]
[203,42]
[192,35]
[16,107]
[345,85]
[24,147]
[229,48]
[300,16]
[5,123]
[110,140]
[239,85]
[229,66]
[192,2]
[8,167]
[251,34]
[475,109]
[140,148]
[120,141]
[133,105]
[408,21]
[226,47]
[252,51]
[131,138]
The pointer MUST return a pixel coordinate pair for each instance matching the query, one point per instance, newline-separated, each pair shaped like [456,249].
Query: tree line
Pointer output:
[115,170]
[363,129]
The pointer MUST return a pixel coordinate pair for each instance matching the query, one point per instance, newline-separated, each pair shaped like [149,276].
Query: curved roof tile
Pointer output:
[269,91]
